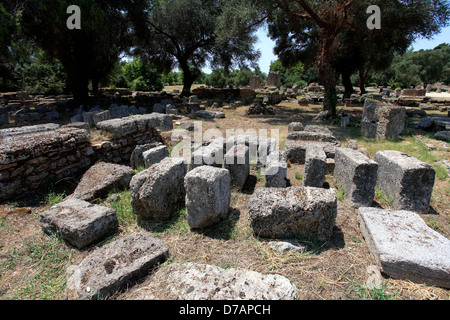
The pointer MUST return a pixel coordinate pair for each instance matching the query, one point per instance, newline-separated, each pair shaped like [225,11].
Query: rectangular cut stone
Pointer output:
[155,155]
[296,149]
[208,193]
[293,212]
[315,167]
[382,121]
[275,171]
[78,222]
[404,247]
[211,155]
[117,264]
[357,175]
[157,192]
[126,126]
[102,178]
[407,181]
[237,162]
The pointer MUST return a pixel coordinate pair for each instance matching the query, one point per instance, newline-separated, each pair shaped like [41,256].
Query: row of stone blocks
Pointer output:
[406,181]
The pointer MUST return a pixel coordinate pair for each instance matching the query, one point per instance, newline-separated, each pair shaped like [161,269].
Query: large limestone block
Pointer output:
[315,167]
[293,211]
[404,247]
[192,281]
[102,178]
[78,222]
[237,162]
[382,121]
[356,174]
[158,191]
[114,266]
[407,181]
[208,194]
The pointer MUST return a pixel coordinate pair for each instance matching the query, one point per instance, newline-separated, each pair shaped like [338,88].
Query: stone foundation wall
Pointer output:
[31,157]
[29,160]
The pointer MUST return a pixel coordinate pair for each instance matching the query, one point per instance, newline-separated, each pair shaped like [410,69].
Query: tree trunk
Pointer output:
[327,75]
[80,90]
[188,79]
[347,82]
[363,74]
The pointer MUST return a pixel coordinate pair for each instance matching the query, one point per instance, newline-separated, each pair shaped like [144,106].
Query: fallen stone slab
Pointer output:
[157,192]
[404,247]
[315,167]
[155,155]
[117,264]
[405,180]
[356,175]
[78,222]
[102,178]
[293,212]
[209,114]
[208,194]
[126,126]
[14,132]
[192,281]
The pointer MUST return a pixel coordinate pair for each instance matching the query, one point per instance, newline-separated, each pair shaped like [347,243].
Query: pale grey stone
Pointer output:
[208,194]
[315,167]
[287,246]
[136,158]
[295,126]
[404,247]
[102,178]
[157,192]
[275,171]
[155,155]
[293,212]
[382,121]
[356,174]
[237,162]
[116,265]
[78,222]
[192,281]
[405,180]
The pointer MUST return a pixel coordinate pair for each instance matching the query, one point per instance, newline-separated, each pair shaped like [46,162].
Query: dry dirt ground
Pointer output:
[33,266]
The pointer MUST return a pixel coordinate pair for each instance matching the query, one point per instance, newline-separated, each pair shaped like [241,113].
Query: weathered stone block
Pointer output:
[114,266]
[136,158]
[210,155]
[78,222]
[404,247]
[405,180]
[157,192]
[295,126]
[356,174]
[237,162]
[192,281]
[293,212]
[275,171]
[208,193]
[155,155]
[315,167]
[382,121]
[101,178]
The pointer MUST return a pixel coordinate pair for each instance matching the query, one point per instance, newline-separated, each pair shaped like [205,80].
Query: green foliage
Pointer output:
[141,77]
[188,34]
[219,78]
[291,76]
